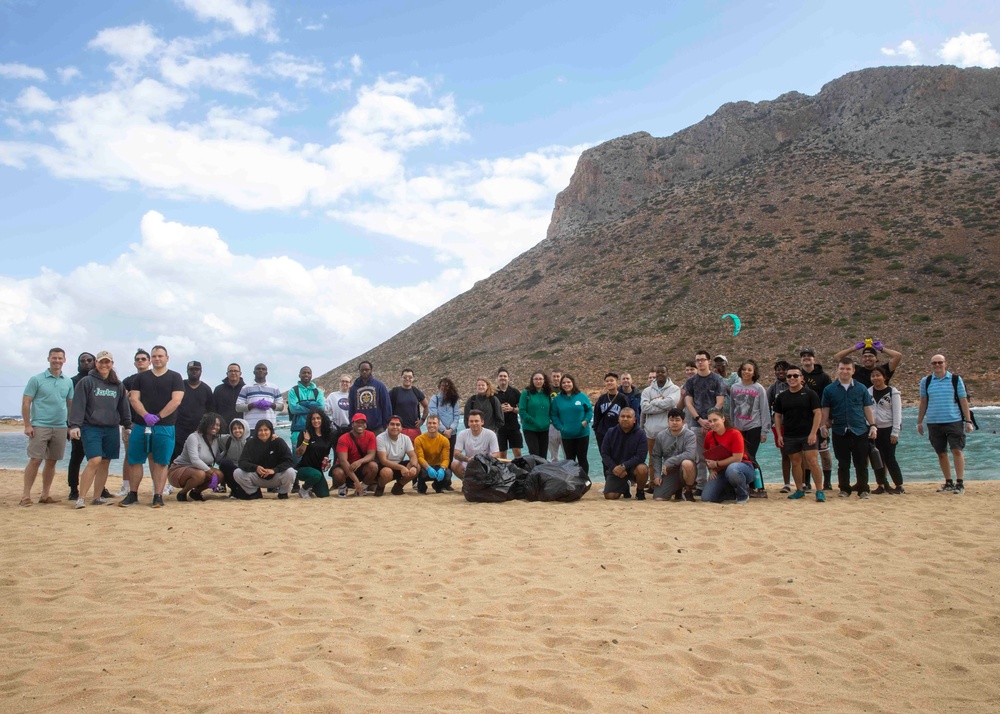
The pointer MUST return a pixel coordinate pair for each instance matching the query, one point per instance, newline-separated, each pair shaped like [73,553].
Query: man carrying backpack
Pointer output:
[945,404]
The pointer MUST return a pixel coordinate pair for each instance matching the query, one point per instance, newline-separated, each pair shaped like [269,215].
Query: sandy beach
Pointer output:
[431,604]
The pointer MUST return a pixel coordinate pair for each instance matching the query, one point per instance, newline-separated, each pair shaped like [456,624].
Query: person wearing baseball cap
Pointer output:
[817,380]
[198,401]
[355,458]
[870,349]
[780,385]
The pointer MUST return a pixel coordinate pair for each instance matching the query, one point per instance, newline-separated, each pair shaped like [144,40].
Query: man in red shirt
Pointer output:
[355,458]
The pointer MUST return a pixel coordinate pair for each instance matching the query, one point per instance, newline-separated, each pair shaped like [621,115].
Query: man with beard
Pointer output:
[817,380]
[260,400]
[370,397]
[226,394]
[84,363]
[142,363]
[509,434]
[198,401]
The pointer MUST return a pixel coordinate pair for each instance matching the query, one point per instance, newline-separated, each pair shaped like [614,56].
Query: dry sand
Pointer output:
[431,604]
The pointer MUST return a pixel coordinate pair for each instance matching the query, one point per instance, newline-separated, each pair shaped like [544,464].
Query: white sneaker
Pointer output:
[123,491]
[305,493]
[168,489]
[81,503]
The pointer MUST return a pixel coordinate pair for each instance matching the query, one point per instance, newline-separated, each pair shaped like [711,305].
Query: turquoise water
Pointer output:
[914,453]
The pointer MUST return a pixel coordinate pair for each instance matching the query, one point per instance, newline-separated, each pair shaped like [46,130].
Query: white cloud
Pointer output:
[224,72]
[34,99]
[247,17]
[68,74]
[356,63]
[16,70]
[303,72]
[204,304]
[132,44]
[313,25]
[907,50]
[970,51]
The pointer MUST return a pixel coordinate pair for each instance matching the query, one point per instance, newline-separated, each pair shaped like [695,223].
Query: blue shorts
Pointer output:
[100,441]
[156,441]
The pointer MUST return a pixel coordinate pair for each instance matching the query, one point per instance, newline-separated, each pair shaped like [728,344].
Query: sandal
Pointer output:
[48,499]
[25,502]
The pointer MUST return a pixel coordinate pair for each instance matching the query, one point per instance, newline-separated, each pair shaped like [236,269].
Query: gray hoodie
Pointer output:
[669,450]
[232,448]
[96,402]
[198,453]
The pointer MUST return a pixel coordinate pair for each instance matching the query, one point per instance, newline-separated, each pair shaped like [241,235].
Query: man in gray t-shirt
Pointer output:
[705,390]
[472,441]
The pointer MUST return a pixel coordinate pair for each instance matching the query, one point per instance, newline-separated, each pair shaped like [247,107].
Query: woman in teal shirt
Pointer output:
[534,407]
[571,412]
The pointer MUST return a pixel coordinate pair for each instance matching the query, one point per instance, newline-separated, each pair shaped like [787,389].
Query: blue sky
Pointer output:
[295,182]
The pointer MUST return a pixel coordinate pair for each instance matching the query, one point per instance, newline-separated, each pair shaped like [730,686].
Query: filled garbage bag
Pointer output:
[488,480]
[527,462]
[556,481]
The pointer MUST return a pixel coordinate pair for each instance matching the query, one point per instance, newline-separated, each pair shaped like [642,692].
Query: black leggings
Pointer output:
[751,442]
[76,459]
[888,451]
[537,442]
[576,450]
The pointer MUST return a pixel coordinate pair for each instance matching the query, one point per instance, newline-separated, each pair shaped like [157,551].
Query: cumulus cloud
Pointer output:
[973,50]
[356,63]
[906,50]
[34,99]
[223,72]
[205,302]
[131,44]
[68,74]
[246,17]
[16,70]
[303,72]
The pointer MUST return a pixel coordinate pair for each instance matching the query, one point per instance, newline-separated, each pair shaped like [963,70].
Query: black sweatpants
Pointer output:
[76,459]
[537,442]
[850,447]
[576,450]
[888,451]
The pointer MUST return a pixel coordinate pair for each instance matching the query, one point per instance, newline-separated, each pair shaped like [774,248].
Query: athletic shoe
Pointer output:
[295,488]
[100,501]
[81,503]
[743,501]
[74,495]
[807,487]
[688,496]
[785,489]
[640,495]
[130,500]
[380,489]
[282,496]
[305,493]
[863,495]
[948,486]
[698,492]
[342,491]
[157,501]
[827,486]
[797,495]
[397,489]
[422,487]
[899,490]
[820,496]
[959,488]
[438,487]
[879,491]
[844,494]
[196,496]
[168,489]
[123,491]
[181,496]
[106,494]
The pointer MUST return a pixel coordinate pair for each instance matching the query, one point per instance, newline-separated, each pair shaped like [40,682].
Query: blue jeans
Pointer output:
[734,483]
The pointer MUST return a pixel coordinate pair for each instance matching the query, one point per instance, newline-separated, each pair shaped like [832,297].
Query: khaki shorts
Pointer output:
[48,443]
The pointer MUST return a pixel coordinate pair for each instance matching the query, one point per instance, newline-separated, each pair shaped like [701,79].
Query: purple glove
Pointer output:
[859,346]
[214,483]
[263,404]
[877,344]
[151,419]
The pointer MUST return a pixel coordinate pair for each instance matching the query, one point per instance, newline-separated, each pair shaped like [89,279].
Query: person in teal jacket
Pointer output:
[571,413]
[534,408]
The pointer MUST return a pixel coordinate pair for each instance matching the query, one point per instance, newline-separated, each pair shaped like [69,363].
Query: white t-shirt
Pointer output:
[396,450]
[336,409]
[470,444]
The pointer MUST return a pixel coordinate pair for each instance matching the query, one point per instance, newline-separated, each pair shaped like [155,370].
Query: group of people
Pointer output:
[696,440]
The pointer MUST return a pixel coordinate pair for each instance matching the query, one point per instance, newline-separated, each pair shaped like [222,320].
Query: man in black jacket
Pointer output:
[226,393]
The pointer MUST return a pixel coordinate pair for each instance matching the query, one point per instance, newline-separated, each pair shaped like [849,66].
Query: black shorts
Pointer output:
[947,436]
[509,439]
[794,445]
[613,484]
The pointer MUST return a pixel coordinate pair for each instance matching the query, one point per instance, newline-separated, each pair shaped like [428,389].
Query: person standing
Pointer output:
[555,438]
[45,411]
[485,402]
[197,402]
[780,385]
[658,399]
[944,402]
[370,397]
[634,396]
[797,419]
[705,390]
[817,380]
[156,394]
[870,350]
[337,405]
[226,394]
[848,410]
[142,363]
[84,363]
[260,400]
[609,406]
[749,409]
[100,406]
[303,398]
[889,420]
[534,408]
[571,414]
[409,404]
[509,433]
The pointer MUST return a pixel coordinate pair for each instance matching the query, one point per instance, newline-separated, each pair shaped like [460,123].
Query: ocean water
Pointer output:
[914,453]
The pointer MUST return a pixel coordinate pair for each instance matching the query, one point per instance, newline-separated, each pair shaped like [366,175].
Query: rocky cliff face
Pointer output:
[884,113]
[872,208]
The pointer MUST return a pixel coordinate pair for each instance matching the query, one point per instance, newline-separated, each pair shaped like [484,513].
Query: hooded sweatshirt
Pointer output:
[370,398]
[271,454]
[232,448]
[302,400]
[493,417]
[198,453]
[654,409]
[99,403]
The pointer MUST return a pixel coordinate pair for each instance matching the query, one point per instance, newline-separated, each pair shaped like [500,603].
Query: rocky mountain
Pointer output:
[871,208]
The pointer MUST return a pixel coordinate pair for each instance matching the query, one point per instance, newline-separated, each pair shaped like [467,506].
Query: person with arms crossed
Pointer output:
[609,405]
[370,397]
[226,394]
[509,433]
[409,404]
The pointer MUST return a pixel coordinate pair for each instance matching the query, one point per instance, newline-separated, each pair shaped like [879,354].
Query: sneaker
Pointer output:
[697,492]
[100,501]
[296,488]
[422,487]
[438,486]
[106,494]
[879,491]
[948,486]
[74,495]
[181,496]
[282,496]
[397,489]
[820,496]
[743,501]
[827,486]
[167,490]
[785,489]
[157,501]
[688,496]
[640,495]
[123,491]
[131,498]
[863,495]
[305,493]
[342,491]
[899,491]
[959,488]
[81,503]
[797,495]
[844,494]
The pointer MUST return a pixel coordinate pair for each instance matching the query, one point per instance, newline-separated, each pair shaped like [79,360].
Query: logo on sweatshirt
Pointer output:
[98,392]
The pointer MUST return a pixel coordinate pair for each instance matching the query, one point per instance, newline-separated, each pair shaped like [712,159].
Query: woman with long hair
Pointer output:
[749,409]
[730,473]
[571,413]
[889,420]
[315,443]
[444,405]
[484,400]
[534,408]
[196,468]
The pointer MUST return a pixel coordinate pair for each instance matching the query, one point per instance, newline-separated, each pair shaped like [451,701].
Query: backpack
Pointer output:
[926,382]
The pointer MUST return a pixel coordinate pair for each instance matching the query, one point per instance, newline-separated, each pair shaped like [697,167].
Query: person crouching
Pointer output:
[266,462]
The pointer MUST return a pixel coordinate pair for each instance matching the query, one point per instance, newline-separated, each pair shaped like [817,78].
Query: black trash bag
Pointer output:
[527,462]
[489,480]
[557,481]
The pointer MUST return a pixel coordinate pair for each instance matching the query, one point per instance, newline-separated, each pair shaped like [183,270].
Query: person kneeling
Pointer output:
[675,454]
[355,458]
[396,457]
[266,462]
[735,470]
[623,453]
[474,440]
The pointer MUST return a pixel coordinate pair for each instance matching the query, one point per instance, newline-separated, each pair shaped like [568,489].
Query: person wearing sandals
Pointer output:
[797,419]
[100,406]
[195,469]
[889,420]
[315,442]
[728,476]
[355,458]
[266,463]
